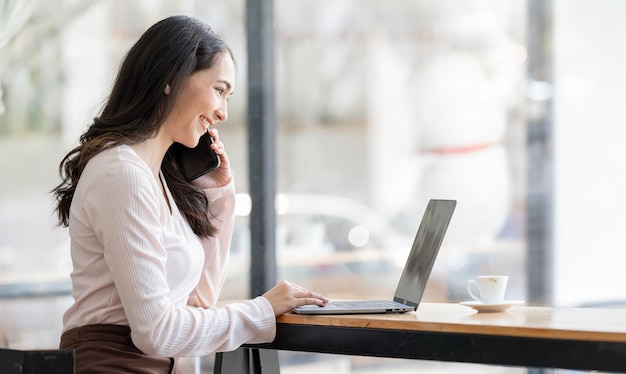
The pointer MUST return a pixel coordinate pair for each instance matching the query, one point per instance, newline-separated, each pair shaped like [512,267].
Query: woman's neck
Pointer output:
[152,151]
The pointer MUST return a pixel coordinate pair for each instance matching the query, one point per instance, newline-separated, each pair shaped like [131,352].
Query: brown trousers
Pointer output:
[107,349]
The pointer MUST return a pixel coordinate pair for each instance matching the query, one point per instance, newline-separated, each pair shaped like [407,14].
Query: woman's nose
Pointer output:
[221,114]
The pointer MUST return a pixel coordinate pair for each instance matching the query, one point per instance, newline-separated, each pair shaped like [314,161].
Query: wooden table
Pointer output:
[536,337]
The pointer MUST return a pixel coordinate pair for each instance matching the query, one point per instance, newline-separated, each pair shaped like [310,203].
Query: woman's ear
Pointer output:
[167,89]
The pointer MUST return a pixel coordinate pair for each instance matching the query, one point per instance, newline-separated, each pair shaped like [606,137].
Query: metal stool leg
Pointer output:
[265,361]
[235,362]
[247,361]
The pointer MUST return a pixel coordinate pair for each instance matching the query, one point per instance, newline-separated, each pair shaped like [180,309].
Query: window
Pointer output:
[379,106]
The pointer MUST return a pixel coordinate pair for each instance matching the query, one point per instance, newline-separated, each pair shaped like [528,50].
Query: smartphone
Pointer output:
[195,162]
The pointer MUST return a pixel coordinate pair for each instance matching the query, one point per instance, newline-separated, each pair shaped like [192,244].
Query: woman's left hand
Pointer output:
[221,176]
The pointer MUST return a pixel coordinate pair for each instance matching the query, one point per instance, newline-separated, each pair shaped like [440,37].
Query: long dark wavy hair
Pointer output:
[166,54]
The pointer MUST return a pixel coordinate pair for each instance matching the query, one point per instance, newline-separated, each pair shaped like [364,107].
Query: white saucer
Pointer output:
[500,307]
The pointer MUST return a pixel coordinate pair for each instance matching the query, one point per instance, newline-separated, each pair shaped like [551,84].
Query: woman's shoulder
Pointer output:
[117,162]
[115,174]
[117,155]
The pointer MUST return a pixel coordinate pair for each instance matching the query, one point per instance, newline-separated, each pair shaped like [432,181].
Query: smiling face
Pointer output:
[201,103]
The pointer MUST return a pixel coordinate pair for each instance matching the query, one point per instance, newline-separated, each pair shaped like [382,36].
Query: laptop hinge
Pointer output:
[407,302]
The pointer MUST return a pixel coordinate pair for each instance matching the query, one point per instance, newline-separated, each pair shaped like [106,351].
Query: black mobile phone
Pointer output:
[195,162]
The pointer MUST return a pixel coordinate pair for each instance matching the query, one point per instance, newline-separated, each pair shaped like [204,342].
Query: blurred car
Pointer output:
[321,224]
[332,244]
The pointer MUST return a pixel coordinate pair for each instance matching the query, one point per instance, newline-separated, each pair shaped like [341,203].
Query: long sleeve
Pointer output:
[136,263]
[216,249]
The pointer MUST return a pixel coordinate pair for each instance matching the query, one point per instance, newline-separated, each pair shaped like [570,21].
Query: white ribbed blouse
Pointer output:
[139,265]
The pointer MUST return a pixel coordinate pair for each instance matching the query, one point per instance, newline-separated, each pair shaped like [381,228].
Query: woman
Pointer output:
[149,249]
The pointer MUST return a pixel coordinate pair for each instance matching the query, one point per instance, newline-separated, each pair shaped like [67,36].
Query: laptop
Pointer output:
[416,271]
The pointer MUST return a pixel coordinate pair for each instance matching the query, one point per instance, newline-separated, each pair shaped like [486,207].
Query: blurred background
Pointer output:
[511,108]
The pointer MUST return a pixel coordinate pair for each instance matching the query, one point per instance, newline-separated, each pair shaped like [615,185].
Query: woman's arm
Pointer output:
[221,211]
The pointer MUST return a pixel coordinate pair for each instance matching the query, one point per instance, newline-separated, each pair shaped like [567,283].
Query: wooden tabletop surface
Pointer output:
[585,324]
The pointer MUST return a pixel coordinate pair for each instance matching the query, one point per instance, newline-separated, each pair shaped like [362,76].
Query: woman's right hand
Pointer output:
[286,296]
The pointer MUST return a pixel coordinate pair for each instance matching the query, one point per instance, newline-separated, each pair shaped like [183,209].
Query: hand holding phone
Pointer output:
[195,162]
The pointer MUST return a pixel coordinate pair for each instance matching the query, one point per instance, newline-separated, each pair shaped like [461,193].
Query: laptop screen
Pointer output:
[424,251]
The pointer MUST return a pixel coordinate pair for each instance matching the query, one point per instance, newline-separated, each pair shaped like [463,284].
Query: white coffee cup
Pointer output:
[491,288]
